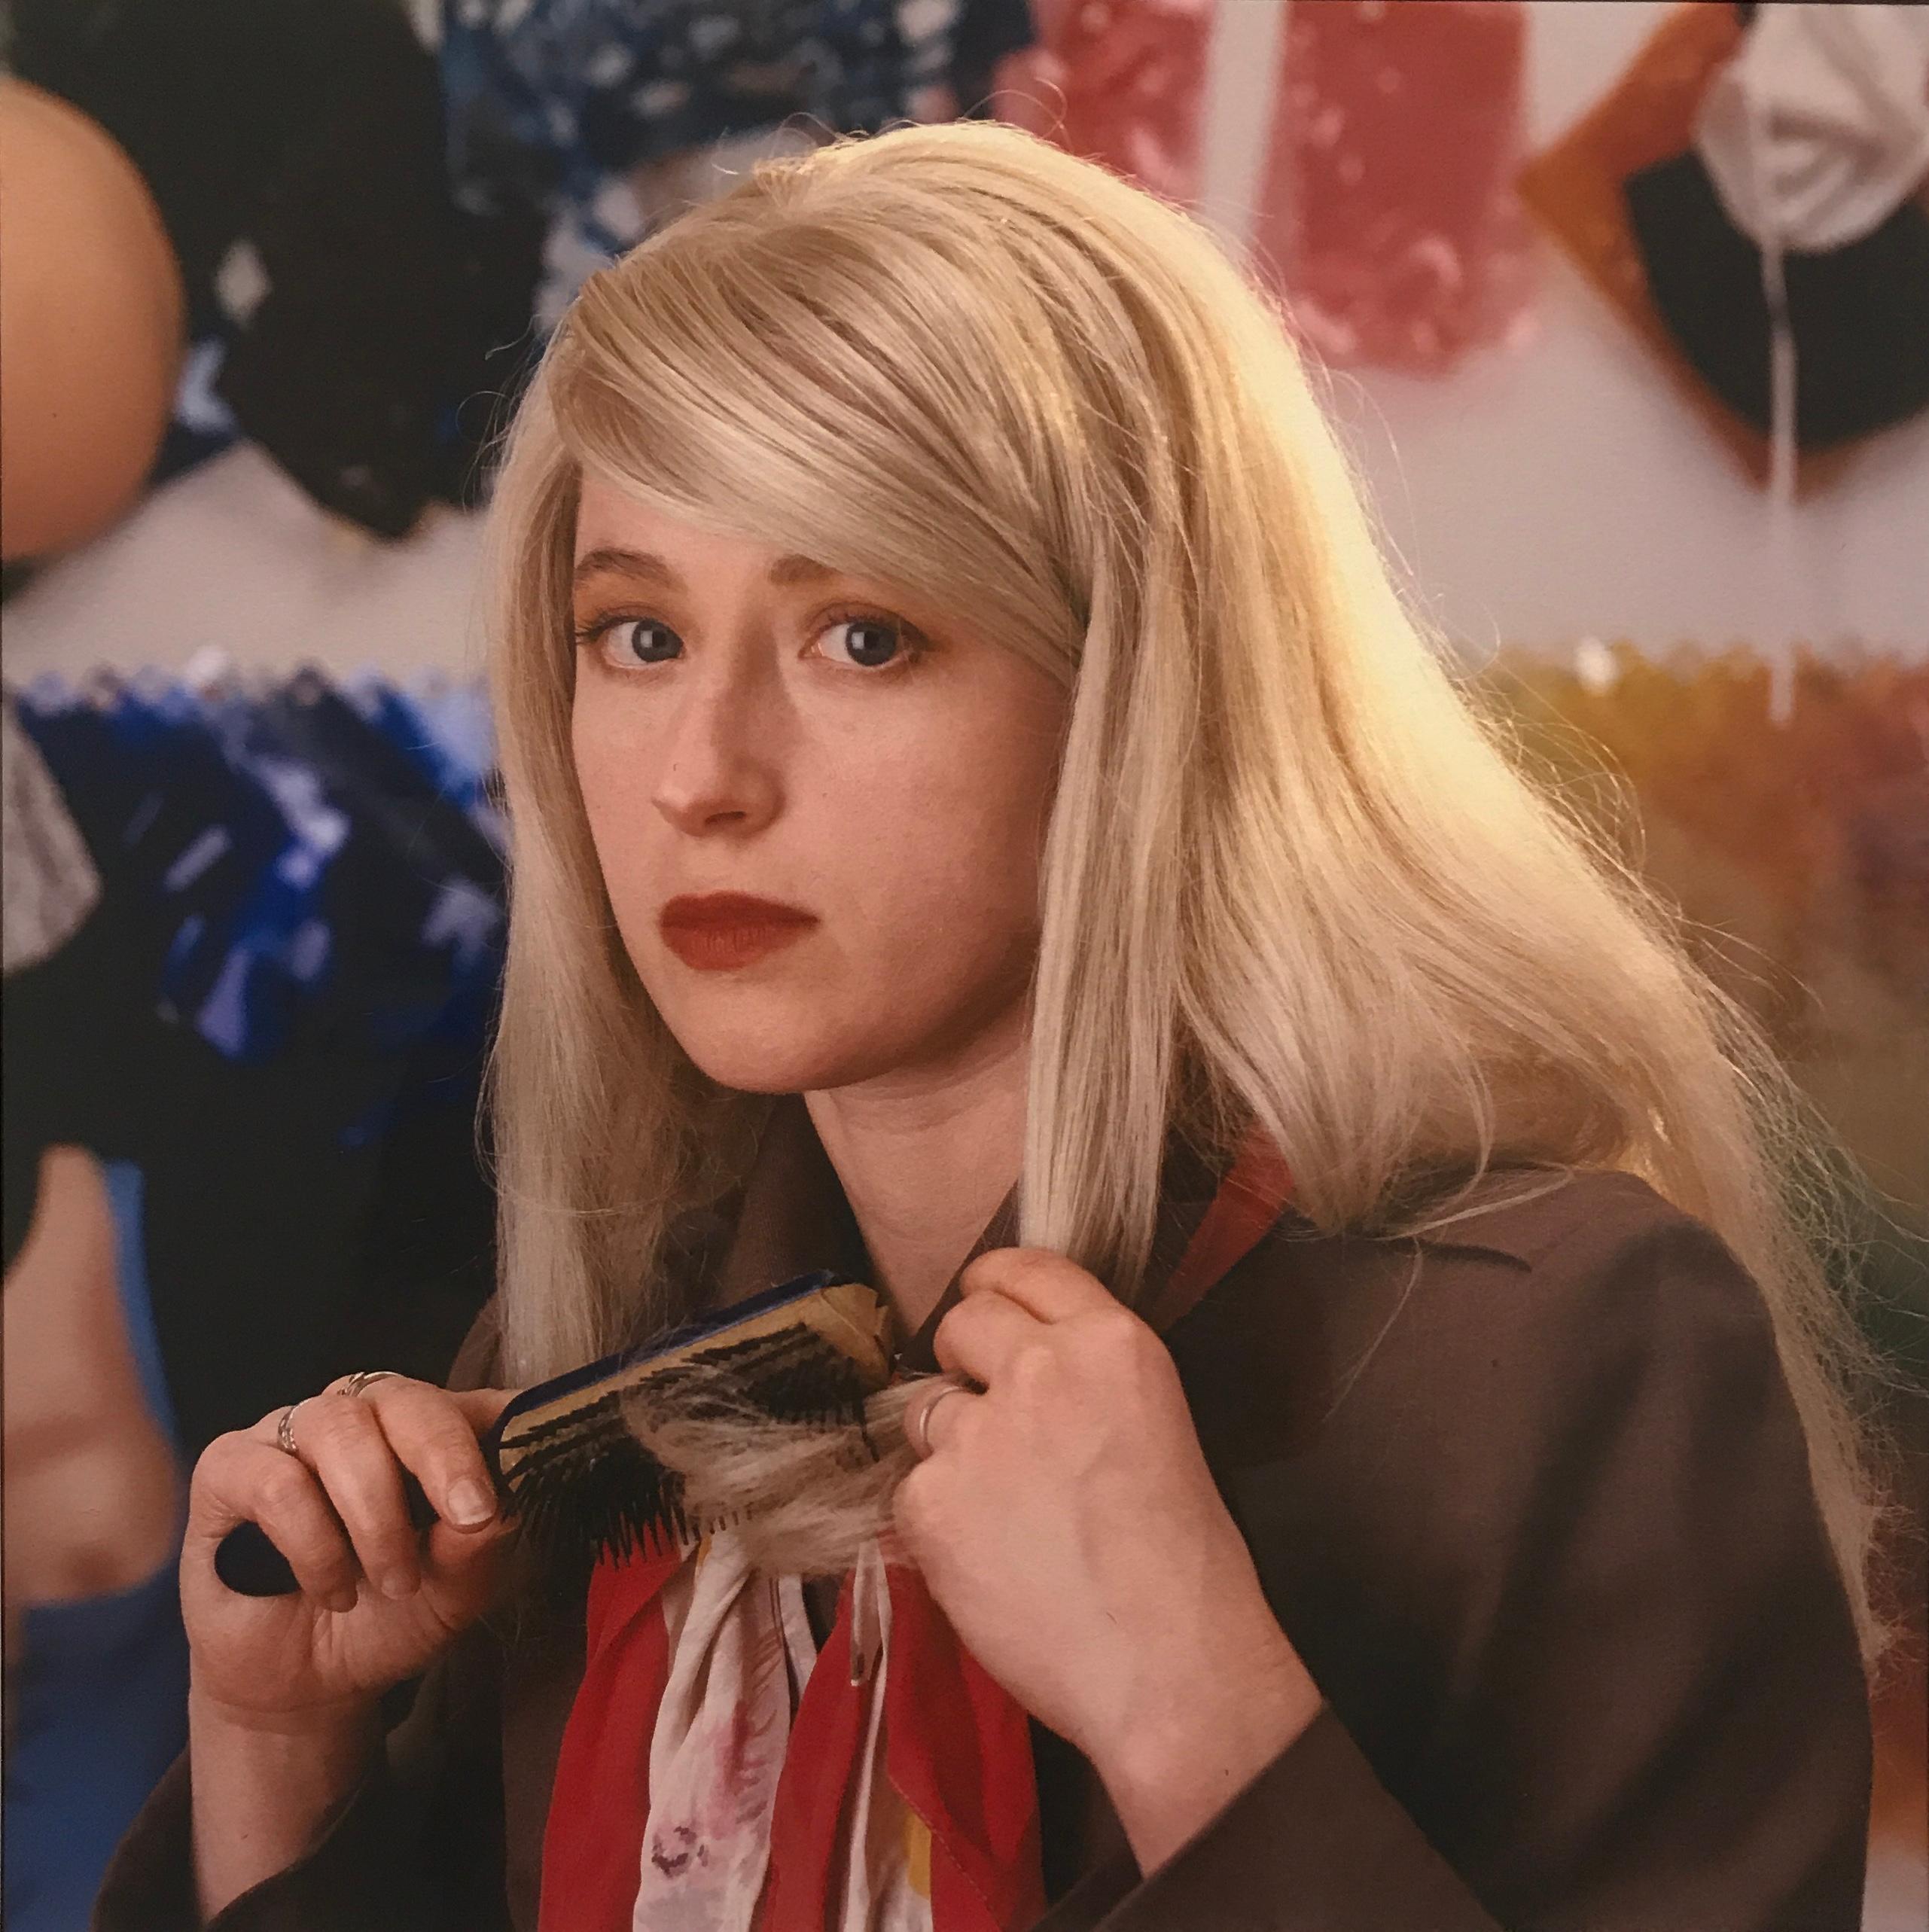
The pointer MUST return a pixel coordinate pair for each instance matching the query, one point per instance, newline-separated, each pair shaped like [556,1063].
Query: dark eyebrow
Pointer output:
[649,567]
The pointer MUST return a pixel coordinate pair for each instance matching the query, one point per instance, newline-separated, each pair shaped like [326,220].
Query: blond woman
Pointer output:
[982,814]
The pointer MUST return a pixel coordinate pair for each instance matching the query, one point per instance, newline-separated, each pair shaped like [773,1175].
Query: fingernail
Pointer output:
[396,1584]
[343,1600]
[470,1504]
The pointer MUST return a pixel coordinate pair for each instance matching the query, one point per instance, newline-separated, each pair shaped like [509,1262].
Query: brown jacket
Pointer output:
[1530,1500]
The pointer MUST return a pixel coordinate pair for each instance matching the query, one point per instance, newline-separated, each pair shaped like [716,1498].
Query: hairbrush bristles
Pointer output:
[585,1484]
[792,1375]
[570,1460]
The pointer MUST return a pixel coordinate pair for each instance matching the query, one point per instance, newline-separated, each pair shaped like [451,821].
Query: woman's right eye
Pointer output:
[637,641]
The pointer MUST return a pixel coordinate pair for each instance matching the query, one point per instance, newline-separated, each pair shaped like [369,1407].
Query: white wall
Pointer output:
[1538,496]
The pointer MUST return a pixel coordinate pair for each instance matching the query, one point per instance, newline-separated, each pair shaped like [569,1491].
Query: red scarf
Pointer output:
[954,1747]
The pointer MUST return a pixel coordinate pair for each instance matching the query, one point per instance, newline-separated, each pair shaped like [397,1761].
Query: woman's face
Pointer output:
[751,725]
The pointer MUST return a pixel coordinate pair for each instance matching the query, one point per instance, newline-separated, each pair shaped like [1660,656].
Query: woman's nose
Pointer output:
[719,764]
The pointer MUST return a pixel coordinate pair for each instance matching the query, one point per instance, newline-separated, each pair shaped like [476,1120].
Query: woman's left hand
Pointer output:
[1066,1523]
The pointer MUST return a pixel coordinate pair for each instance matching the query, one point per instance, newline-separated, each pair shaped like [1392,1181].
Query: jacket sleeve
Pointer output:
[1560,1573]
[417,1847]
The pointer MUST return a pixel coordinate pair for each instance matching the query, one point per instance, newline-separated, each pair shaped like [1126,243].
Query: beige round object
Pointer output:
[91,321]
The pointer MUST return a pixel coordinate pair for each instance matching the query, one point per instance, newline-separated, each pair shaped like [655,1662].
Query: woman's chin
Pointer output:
[763,1066]
[792,1062]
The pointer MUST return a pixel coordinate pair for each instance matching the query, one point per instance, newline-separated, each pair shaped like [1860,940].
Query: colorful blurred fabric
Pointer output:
[1389,218]
[1122,82]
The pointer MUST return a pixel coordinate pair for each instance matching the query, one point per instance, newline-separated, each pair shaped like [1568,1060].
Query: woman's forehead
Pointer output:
[608,518]
[616,533]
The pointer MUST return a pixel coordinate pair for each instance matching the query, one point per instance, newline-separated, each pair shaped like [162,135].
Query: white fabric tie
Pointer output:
[741,1652]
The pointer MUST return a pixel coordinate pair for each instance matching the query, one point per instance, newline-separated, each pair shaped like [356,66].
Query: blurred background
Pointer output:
[1623,309]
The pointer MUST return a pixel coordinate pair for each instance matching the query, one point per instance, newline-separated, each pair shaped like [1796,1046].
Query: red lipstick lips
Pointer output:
[722,930]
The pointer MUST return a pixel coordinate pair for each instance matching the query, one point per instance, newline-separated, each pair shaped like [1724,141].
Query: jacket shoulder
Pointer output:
[1603,1276]
[1530,1216]
[1523,1244]
[1492,1336]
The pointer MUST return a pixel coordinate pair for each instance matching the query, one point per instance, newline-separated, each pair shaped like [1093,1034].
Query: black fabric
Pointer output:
[987,31]
[286,1260]
[278,1257]
[313,129]
[72,1040]
[1860,313]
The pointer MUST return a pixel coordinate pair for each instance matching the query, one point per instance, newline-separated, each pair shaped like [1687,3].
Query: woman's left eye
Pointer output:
[867,643]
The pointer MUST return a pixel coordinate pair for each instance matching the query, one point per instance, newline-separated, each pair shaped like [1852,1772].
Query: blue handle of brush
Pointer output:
[247,1562]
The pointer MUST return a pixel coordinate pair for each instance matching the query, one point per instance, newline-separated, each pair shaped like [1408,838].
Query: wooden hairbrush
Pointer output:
[570,1468]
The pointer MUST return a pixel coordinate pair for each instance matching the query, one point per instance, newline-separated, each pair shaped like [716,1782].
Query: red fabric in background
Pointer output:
[1388,217]
[1132,74]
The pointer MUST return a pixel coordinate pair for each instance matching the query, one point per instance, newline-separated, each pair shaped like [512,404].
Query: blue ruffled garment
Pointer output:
[305,865]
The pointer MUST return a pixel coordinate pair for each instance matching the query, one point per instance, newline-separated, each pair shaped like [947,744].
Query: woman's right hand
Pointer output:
[377,1603]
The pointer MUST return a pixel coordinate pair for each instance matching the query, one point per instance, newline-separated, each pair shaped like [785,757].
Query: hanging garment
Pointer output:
[181,837]
[244,827]
[1784,250]
[561,103]
[720,1773]
[415,900]
[316,1198]
[345,309]
[1625,192]
[1387,218]
[446,738]
[71,1069]
[1857,317]
[219,865]
[49,882]
[280,1255]
[100,1694]
[1818,128]
[1120,82]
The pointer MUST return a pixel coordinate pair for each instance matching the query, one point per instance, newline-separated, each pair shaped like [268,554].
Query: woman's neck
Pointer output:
[925,1157]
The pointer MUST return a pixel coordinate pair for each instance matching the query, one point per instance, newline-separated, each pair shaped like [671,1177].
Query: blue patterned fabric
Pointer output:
[600,85]
[305,858]
[564,97]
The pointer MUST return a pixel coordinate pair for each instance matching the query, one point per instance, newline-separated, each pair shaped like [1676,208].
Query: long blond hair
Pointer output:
[1294,874]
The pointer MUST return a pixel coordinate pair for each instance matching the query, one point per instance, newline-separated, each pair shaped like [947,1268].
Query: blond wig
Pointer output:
[1294,874]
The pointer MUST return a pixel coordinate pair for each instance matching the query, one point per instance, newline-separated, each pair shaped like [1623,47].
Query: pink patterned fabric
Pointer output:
[1117,81]
[1388,217]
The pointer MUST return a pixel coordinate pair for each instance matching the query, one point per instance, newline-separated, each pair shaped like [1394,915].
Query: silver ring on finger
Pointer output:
[285,1430]
[923,1444]
[360,1380]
